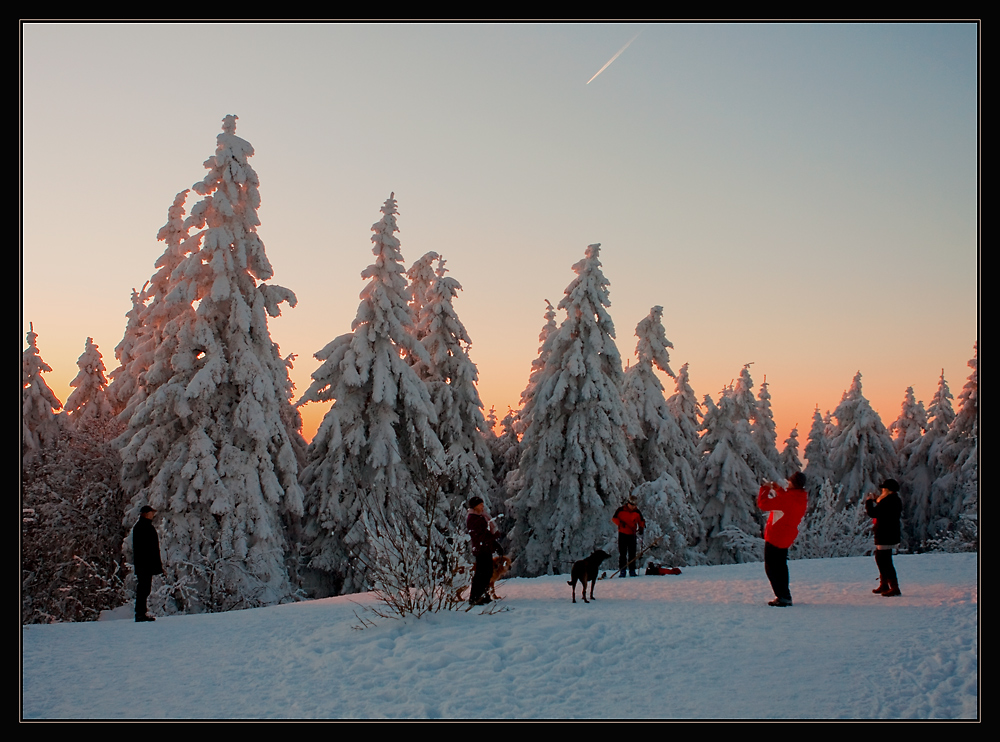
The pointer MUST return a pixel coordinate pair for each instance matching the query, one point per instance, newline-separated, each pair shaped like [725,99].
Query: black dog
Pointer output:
[586,571]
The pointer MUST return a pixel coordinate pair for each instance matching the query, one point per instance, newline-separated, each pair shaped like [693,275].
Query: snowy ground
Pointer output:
[700,645]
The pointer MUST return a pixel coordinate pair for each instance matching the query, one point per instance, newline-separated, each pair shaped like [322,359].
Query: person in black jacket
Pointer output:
[885,510]
[146,558]
[484,543]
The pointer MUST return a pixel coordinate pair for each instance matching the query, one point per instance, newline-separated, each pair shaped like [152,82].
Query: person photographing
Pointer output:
[786,508]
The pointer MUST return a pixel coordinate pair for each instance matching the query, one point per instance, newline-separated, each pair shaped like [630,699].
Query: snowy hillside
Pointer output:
[700,645]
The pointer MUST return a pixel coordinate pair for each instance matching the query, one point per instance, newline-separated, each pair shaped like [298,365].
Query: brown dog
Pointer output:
[501,566]
[586,570]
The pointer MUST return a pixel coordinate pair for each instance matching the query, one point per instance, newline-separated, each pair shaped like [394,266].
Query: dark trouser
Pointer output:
[776,568]
[481,577]
[144,586]
[626,551]
[886,572]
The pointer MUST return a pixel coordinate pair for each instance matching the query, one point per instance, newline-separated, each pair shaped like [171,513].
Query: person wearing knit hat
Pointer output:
[885,510]
[146,560]
[629,521]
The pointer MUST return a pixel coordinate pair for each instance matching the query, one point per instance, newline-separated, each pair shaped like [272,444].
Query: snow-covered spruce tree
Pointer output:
[910,424]
[751,424]
[90,400]
[451,376]
[661,448]
[421,277]
[376,449]
[790,462]
[763,429]
[39,405]
[963,435]
[123,381]
[658,437]
[727,482]
[575,466]
[960,483]
[521,421]
[506,454]
[207,445]
[817,453]
[861,452]
[146,350]
[545,339]
[687,412]
[929,510]
[671,518]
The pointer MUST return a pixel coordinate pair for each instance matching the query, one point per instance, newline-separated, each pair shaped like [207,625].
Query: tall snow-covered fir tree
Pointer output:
[963,435]
[661,449]
[910,425]
[89,400]
[72,530]
[521,419]
[376,447]
[207,445]
[817,452]
[763,429]
[506,453]
[39,405]
[959,485]
[753,422]
[575,467]
[421,276]
[929,510]
[451,377]
[123,380]
[687,412]
[789,462]
[146,350]
[545,339]
[727,479]
[861,452]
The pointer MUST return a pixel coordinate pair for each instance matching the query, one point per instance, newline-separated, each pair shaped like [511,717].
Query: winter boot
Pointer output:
[891,591]
[882,587]
[780,602]
[622,573]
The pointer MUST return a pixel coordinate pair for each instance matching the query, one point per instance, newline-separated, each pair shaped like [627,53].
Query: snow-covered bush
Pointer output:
[832,530]
[417,567]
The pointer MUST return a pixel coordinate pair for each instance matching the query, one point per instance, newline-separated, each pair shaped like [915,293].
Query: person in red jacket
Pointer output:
[787,506]
[629,521]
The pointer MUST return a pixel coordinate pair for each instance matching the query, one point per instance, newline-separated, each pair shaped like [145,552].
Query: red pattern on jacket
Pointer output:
[628,521]
[791,503]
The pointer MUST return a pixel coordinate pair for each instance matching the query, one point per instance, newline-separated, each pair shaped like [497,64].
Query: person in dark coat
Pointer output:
[885,510]
[484,544]
[146,559]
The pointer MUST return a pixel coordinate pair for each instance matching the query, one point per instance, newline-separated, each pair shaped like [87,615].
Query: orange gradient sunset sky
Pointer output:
[801,196]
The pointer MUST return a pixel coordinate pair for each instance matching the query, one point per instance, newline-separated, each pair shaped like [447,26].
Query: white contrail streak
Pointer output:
[617,54]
